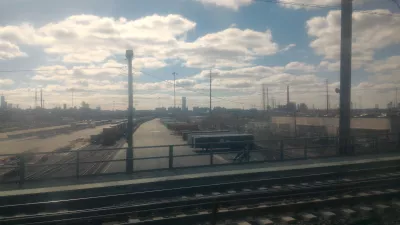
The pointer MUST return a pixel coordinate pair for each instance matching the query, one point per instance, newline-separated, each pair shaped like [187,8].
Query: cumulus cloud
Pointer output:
[231,47]
[329,66]
[61,73]
[370,33]
[386,65]
[230,4]
[9,50]
[299,67]
[6,82]
[89,38]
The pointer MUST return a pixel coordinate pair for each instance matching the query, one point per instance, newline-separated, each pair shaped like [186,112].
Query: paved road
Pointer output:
[47,144]
[154,133]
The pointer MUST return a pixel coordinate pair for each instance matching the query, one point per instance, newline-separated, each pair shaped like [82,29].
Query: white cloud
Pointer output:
[288,47]
[370,33]
[231,47]
[89,38]
[9,50]
[104,71]
[148,62]
[230,4]
[299,67]
[6,82]
[386,65]
[329,66]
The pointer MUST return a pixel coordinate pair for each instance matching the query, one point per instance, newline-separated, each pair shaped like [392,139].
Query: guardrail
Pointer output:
[77,164]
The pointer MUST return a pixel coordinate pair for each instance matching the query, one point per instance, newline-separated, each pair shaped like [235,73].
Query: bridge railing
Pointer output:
[88,162]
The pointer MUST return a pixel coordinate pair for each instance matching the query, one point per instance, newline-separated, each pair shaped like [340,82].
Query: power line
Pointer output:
[215,97]
[325,7]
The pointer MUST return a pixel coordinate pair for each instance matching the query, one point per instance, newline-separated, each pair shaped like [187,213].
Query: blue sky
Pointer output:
[80,45]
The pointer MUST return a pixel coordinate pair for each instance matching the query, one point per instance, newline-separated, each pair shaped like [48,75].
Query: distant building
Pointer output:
[160,109]
[3,102]
[184,107]
[10,105]
[64,106]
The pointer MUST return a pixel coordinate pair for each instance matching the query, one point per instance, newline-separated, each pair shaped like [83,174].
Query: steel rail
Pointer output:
[112,213]
[171,193]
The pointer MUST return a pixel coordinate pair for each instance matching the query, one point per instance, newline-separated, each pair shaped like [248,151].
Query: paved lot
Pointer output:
[154,133]
[46,144]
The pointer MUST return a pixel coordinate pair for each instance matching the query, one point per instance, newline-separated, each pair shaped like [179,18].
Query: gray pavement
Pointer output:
[154,133]
[49,144]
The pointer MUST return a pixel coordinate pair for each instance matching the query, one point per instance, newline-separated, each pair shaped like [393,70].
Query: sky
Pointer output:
[77,48]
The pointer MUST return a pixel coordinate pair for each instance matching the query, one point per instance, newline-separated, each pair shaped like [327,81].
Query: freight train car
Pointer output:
[226,141]
[109,135]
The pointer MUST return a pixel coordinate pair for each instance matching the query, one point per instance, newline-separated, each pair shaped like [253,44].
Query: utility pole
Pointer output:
[129,150]
[72,98]
[174,90]
[327,98]
[345,75]
[210,92]
[41,98]
[35,98]
[263,96]
[287,95]
[273,103]
[267,101]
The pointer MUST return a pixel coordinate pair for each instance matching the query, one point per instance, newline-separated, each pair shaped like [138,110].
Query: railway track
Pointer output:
[67,165]
[203,201]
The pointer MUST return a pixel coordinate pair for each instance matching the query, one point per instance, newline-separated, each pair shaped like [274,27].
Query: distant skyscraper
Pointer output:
[3,102]
[184,103]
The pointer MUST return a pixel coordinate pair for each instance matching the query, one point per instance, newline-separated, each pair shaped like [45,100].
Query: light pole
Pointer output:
[129,150]
[345,75]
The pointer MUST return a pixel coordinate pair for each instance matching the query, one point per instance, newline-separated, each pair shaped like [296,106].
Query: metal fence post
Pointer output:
[281,149]
[398,140]
[77,164]
[21,169]
[214,213]
[171,156]
[305,148]
[211,155]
